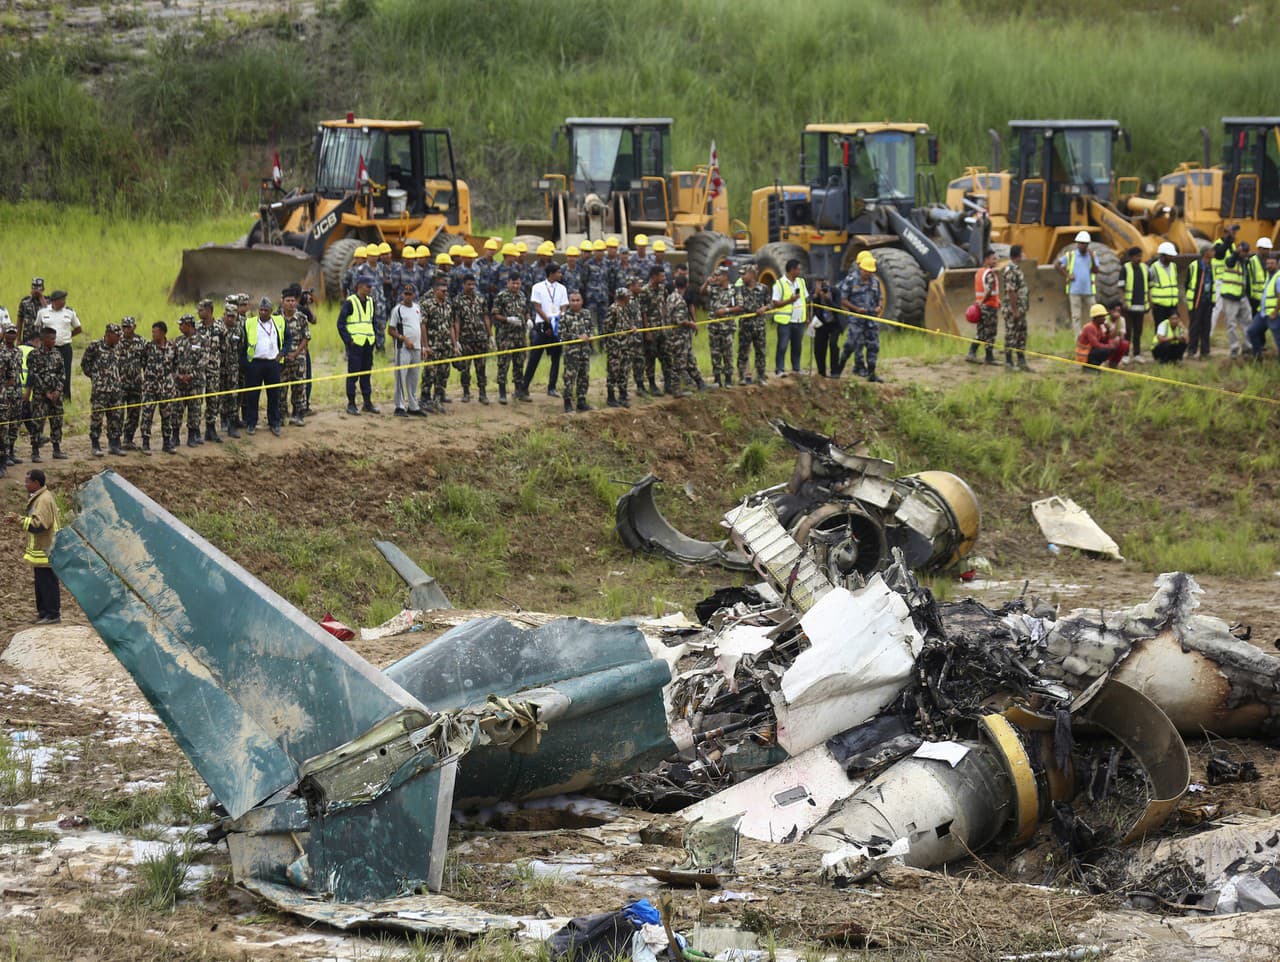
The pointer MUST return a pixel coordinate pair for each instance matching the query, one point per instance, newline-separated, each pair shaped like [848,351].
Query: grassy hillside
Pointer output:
[190,122]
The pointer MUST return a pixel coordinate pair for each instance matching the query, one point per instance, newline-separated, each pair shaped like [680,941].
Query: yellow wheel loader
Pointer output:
[1244,189]
[860,188]
[1061,181]
[375,181]
[618,181]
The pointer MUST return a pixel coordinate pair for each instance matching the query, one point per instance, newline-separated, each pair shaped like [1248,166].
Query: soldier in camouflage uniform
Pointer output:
[860,293]
[232,370]
[471,335]
[1013,309]
[354,269]
[45,379]
[508,316]
[293,366]
[722,302]
[10,393]
[101,365]
[682,364]
[571,276]
[29,307]
[188,377]
[987,296]
[375,269]
[158,389]
[129,355]
[486,271]
[633,343]
[596,286]
[754,299]
[576,330]
[653,309]
[616,320]
[659,259]
[211,333]
[437,315]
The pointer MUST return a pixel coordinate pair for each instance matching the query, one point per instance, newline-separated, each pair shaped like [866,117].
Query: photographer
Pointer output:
[826,330]
[304,305]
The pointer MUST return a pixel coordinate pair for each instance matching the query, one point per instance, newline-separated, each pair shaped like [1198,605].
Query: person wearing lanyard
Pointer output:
[356,328]
[790,315]
[265,341]
[67,325]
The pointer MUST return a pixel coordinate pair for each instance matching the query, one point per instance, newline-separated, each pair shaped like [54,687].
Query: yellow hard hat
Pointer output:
[547,248]
[611,242]
[587,246]
[659,246]
[455,250]
[509,250]
[572,252]
[384,248]
[492,244]
[522,247]
[371,250]
[408,253]
[1097,311]
[468,251]
[867,261]
[443,259]
[361,252]
[642,240]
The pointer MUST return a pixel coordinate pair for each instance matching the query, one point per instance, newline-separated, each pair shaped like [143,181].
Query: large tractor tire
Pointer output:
[705,250]
[441,243]
[337,258]
[903,285]
[771,260]
[1108,287]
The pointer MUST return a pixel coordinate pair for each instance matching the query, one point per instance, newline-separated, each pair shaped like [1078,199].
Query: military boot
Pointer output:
[502,394]
[871,374]
[1008,360]
[192,438]
[1022,362]
[466,393]
[129,445]
[612,402]
[146,445]
[653,387]
[58,454]
[95,446]
[484,398]
[12,457]
[35,453]
[210,434]
[640,391]
[568,405]
[972,356]
[113,447]
[623,401]
[583,405]
[990,357]
[232,430]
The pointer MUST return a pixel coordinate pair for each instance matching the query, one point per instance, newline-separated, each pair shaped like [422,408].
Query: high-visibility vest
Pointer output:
[1231,281]
[1270,292]
[1218,263]
[1257,274]
[360,321]
[1071,272]
[783,314]
[1164,289]
[1130,270]
[980,288]
[1193,282]
[251,335]
[26,350]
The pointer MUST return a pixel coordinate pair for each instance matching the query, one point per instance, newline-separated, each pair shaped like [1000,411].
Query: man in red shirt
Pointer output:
[1097,343]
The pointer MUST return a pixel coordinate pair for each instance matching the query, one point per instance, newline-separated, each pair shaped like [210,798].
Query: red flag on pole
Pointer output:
[713,172]
[362,178]
[277,175]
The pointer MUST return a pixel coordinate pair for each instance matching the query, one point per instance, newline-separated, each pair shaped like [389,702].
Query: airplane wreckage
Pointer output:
[852,713]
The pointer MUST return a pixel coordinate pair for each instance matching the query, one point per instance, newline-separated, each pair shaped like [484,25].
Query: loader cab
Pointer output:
[628,156]
[852,169]
[398,156]
[1058,164]
[1251,168]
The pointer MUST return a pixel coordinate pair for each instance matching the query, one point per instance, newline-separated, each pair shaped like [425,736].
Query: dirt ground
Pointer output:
[104,740]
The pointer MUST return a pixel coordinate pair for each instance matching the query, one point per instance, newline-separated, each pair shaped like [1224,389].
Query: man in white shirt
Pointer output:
[549,298]
[790,315]
[63,320]
[407,330]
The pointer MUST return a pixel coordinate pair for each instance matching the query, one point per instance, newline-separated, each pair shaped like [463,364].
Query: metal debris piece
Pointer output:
[425,594]
[1065,523]
[847,507]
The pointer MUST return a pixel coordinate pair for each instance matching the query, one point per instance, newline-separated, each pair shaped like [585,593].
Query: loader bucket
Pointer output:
[216,270]
[951,294]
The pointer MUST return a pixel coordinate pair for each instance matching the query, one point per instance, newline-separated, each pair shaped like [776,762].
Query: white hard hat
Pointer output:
[1167,248]
[1264,243]
[1083,237]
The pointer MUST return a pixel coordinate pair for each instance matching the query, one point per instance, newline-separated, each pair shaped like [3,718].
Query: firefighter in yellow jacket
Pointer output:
[40,522]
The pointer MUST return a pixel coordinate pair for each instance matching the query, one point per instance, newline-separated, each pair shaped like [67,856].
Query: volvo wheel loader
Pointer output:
[1244,189]
[375,181]
[618,181]
[1060,181]
[861,188]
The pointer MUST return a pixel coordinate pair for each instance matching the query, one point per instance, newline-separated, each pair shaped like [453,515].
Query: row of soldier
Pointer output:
[194,376]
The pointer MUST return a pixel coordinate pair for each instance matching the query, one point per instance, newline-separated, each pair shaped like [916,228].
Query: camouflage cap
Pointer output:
[187,319]
[242,298]
[114,329]
[229,302]
[206,303]
[128,321]
[8,327]
[38,283]
[622,292]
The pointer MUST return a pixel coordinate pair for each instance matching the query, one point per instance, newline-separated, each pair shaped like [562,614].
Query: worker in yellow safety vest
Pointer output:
[355,326]
[1162,281]
[790,303]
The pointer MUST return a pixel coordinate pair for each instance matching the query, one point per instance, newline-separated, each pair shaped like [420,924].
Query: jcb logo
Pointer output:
[324,225]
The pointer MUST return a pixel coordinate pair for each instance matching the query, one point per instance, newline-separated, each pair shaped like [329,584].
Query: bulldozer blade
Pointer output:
[951,294]
[216,270]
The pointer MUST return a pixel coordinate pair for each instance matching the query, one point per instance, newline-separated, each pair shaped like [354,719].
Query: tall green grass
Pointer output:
[189,121]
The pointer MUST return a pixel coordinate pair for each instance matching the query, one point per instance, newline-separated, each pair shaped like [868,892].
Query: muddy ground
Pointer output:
[67,885]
